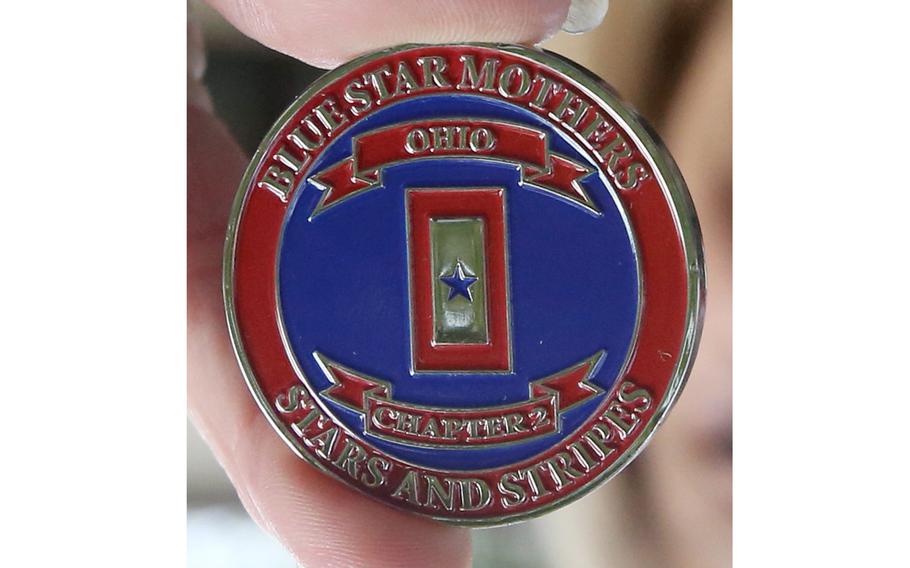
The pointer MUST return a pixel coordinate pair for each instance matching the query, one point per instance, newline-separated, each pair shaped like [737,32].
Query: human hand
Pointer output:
[321,521]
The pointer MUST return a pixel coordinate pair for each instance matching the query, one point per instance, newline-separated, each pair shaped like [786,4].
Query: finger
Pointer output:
[321,521]
[326,33]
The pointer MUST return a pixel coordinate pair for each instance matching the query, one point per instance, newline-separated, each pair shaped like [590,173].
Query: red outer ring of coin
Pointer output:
[666,320]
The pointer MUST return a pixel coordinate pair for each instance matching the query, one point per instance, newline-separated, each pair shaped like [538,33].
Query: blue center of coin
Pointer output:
[345,290]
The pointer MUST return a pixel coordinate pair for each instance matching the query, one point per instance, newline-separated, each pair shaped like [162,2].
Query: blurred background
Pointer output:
[670,59]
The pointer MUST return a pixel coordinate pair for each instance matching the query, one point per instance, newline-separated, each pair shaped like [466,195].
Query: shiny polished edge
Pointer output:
[671,182]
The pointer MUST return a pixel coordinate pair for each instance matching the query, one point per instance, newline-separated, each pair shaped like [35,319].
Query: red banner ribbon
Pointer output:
[453,138]
[470,427]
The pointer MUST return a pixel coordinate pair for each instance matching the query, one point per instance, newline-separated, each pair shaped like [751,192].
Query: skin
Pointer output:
[321,521]
[673,506]
[688,470]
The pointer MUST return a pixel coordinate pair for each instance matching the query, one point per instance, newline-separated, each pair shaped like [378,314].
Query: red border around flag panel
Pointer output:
[487,203]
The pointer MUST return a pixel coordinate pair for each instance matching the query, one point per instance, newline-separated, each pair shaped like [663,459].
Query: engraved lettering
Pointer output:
[350,457]
[328,114]
[324,443]
[355,95]
[451,426]
[596,130]
[561,470]
[277,180]
[433,68]
[571,110]
[513,423]
[407,489]
[289,160]
[547,88]
[376,79]
[407,422]
[447,138]
[616,150]
[304,140]
[377,468]
[482,140]
[301,425]
[430,429]
[382,412]
[443,137]
[582,456]
[484,497]
[625,421]
[417,141]
[597,438]
[639,395]
[535,483]
[635,173]
[509,87]
[539,418]
[513,494]
[404,80]
[436,492]
[295,399]
[471,78]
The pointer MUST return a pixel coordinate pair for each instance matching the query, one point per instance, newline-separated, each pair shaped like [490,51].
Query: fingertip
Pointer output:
[326,33]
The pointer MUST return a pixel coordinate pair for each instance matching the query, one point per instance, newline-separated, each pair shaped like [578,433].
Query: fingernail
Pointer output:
[196,93]
[585,15]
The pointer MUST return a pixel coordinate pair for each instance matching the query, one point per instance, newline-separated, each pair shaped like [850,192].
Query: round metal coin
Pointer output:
[464,279]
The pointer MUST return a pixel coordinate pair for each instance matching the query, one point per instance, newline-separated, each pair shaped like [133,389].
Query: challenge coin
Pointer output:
[464,279]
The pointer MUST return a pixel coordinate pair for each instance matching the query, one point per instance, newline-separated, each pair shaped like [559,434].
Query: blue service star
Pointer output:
[459,282]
